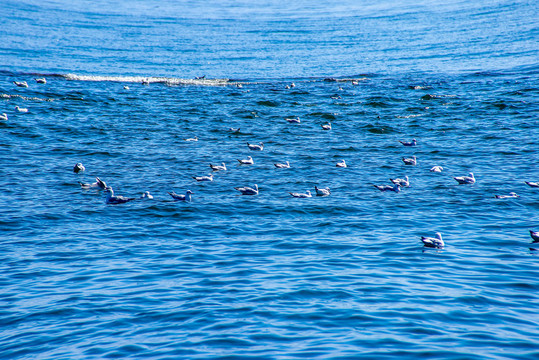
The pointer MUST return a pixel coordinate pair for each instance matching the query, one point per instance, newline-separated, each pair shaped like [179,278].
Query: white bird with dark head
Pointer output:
[470,179]
[435,242]
[245,190]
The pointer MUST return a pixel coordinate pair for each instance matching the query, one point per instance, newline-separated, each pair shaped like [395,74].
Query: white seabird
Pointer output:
[301,195]
[326,126]
[511,195]
[245,190]
[234,130]
[192,139]
[21,83]
[410,161]
[3,117]
[532,184]
[436,242]
[98,184]
[146,195]
[203,178]
[470,179]
[41,81]
[178,197]
[282,166]
[113,199]
[218,167]
[78,168]
[534,235]
[402,182]
[20,109]
[256,147]
[394,187]
[248,161]
[322,192]
[436,168]
[341,164]
[409,143]
[295,120]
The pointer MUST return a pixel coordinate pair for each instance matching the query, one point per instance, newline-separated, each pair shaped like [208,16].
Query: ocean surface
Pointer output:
[270,276]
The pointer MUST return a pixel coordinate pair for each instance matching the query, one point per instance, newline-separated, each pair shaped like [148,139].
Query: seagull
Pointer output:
[295,120]
[282,166]
[465,179]
[301,195]
[126,87]
[411,143]
[248,161]
[256,147]
[394,187]
[511,195]
[436,168]
[534,235]
[322,192]
[341,164]
[21,83]
[326,126]
[410,161]
[532,184]
[245,190]
[436,242]
[98,184]
[78,168]
[20,109]
[146,195]
[41,81]
[203,178]
[234,130]
[402,182]
[218,167]
[192,139]
[178,197]
[113,199]
[3,117]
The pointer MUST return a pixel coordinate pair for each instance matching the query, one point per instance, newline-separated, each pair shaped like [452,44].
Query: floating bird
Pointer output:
[20,109]
[245,190]
[145,82]
[322,192]
[203,178]
[98,184]
[126,87]
[21,83]
[465,179]
[146,195]
[3,117]
[341,164]
[301,195]
[410,161]
[282,166]
[436,168]
[436,242]
[192,139]
[394,187]
[411,143]
[511,195]
[402,182]
[178,197]
[256,147]
[78,168]
[295,120]
[532,184]
[218,167]
[234,130]
[535,236]
[41,81]
[113,199]
[326,126]
[248,161]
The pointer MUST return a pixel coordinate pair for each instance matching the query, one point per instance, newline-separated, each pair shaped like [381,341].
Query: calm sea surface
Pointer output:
[270,276]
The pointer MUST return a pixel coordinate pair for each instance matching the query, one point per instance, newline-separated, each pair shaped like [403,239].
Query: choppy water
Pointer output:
[268,276]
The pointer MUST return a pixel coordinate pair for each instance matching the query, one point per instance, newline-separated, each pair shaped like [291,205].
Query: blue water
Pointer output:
[269,276]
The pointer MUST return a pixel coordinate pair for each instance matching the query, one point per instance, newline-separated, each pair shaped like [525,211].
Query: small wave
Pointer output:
[15,96]
[150,80]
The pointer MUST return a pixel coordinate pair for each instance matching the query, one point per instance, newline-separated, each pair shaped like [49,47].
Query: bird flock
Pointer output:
[397,184]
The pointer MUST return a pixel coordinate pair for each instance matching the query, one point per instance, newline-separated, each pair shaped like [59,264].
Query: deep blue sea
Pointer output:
[269,276]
